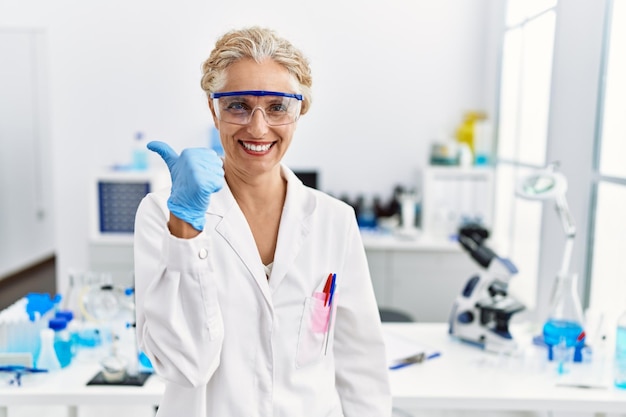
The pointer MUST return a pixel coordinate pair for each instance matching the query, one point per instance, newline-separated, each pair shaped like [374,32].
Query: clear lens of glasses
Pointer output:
[277,108]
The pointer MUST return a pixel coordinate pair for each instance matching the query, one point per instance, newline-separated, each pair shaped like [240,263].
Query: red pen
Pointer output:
[332,289]
[327,286]
[330,293]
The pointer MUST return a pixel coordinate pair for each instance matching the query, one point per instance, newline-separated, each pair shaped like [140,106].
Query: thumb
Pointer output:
[168,154]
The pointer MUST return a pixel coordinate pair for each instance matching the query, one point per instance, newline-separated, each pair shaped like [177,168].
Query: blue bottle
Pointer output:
[62,341]
[366,216]
[619,364]
[140,153]
[68,316]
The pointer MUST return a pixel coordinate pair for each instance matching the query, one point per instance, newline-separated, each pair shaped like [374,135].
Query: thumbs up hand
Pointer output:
[196,174]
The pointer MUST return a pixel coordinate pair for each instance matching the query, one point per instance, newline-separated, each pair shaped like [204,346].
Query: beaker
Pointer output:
[565,318]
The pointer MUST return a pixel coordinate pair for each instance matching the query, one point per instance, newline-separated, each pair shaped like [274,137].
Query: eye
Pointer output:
[277,108]
[236,107]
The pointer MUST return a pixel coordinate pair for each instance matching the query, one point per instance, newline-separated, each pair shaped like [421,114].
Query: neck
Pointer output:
[260,192]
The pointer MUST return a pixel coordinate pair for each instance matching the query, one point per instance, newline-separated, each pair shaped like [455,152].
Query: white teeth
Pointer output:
[257,148]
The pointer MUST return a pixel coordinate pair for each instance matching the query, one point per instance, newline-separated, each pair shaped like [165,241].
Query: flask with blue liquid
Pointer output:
[563,331]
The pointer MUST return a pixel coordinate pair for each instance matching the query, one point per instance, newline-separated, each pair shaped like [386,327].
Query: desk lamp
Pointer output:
[563,328]
[547,185]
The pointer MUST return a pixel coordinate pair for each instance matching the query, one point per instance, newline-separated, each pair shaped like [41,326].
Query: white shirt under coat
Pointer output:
[231,343]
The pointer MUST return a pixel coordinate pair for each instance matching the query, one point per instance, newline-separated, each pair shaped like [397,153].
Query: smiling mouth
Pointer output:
[256,147]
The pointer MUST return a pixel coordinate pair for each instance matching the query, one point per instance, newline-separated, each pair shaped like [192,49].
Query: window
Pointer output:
[608,248]
[523,115]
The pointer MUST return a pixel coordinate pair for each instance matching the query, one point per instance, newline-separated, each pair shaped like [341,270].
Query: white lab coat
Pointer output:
[231,343]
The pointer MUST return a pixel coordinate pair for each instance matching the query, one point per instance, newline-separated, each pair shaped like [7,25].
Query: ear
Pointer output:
[215,120]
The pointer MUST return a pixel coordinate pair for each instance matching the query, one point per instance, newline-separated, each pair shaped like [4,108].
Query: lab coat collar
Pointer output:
[234,228]
[294,227]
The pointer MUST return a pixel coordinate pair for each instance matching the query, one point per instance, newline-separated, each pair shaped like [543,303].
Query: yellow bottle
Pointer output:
[465,132]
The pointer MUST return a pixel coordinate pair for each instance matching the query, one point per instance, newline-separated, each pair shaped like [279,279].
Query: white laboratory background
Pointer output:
[389,78]
[113,68]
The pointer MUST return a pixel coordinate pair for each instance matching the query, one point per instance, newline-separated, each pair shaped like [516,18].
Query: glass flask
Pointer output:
[47,357]
[565,319]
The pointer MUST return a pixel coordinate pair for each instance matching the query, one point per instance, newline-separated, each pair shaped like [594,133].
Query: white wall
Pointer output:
[388,77]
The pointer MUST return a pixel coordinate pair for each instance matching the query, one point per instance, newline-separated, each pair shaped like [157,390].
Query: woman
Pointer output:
[253,291]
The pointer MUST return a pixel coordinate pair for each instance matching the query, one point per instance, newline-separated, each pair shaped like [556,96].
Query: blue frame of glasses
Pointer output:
[257,93]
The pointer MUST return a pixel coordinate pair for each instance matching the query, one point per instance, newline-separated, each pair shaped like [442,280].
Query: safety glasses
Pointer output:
[237,107]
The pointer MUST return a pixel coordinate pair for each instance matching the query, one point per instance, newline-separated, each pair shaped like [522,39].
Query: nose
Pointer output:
[258,125]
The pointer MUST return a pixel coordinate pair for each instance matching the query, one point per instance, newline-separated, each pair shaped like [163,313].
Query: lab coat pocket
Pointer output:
[313,331]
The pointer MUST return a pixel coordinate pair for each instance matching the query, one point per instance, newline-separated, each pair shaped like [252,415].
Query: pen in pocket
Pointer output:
[327,286]
[331,291]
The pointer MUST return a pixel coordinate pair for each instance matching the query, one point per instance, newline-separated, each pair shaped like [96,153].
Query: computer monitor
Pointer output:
[116,195]
[308,178]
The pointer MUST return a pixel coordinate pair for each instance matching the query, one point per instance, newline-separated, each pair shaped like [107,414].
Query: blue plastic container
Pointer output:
[62,341]
[571,331]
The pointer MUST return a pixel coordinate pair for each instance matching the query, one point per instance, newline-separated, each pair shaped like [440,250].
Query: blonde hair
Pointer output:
[259,44]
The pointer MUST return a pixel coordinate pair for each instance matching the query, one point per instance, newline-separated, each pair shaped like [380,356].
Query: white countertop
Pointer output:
[467,378]
[462,378]
[68,386]
[415,240]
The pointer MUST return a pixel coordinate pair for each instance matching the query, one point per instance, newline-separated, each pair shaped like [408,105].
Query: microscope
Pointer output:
[482,311]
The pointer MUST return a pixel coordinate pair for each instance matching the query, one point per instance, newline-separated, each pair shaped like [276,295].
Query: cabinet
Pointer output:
[420,277]
[456,195]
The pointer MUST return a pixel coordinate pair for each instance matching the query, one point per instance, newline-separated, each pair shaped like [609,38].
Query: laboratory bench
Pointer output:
[462,379]
[68,387]
[467,378]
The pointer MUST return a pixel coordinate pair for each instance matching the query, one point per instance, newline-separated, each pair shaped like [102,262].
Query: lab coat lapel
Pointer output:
[235,230]
[294,227]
